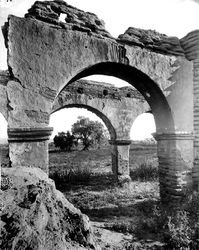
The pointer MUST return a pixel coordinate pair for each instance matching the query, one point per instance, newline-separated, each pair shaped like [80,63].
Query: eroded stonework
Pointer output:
[76,19]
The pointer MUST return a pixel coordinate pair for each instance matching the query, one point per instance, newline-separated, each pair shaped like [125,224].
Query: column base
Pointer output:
[124,180]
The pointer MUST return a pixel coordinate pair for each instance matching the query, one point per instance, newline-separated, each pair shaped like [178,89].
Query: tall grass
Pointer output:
[70,176]
[144,172]
[176,229]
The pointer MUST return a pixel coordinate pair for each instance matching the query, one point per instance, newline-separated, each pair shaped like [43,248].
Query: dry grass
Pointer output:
[96,192]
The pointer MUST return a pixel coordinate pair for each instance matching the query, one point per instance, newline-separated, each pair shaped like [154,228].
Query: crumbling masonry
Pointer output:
[45,55]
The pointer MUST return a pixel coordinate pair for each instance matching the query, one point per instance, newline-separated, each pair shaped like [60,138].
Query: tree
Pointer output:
[89,132]
[64,141]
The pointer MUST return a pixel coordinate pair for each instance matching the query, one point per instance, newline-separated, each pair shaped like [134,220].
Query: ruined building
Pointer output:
[45,55]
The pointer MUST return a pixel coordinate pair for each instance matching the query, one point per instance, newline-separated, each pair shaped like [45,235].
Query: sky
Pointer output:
[170,17]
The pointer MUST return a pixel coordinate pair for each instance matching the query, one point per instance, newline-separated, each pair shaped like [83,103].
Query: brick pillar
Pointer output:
[196,123]
[29,147]
[120,160]
[190,44]
[175,154]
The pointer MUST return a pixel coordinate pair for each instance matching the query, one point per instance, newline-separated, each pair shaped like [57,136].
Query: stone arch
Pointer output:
[168,141]
[115,108]
[143,83]
[105,119]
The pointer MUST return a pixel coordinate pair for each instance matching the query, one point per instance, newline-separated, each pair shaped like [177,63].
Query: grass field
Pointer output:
[86,179]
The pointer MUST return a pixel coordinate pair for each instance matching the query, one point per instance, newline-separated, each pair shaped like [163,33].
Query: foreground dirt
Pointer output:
[108,239]
[115,212]
[111,240]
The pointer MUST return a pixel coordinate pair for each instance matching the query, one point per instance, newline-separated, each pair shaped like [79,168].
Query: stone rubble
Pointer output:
[36,216]
[152,40]
[76,19]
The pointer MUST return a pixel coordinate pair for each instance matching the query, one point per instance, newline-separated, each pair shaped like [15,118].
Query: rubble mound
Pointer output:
[152,40]
[36,216]
[75,19]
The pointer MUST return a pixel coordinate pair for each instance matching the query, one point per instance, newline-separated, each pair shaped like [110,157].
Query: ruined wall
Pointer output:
[41,64]
[118,108]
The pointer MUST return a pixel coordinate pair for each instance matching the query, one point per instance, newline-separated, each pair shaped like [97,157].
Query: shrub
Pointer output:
[145,172]
[177,227]
[178,234]
[121,227]
[71,176]
[65,141]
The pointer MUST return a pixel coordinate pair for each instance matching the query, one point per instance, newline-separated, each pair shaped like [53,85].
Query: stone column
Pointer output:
[196,123]
[29,147]
[120,160]
[175,153]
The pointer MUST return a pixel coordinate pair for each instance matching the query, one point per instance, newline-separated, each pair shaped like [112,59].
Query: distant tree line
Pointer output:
[85,132]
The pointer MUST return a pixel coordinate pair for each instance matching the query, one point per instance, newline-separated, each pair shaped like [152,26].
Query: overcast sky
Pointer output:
[171,17]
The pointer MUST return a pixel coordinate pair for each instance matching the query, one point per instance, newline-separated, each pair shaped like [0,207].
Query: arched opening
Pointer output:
[94,111]
[142,130]
[158,105]
[4,152]
[147,88]
[143,83]
[154,96]
[71,169]
[143,150]
[110,104]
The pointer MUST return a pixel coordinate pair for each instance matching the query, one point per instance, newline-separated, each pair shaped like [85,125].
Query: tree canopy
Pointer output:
[89,132]
[64,141]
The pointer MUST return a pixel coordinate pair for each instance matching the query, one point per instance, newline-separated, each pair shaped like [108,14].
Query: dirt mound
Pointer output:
[34,215]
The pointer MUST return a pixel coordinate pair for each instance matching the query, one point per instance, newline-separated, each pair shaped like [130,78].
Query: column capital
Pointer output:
[120,142]
[29,134]
[174,136]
